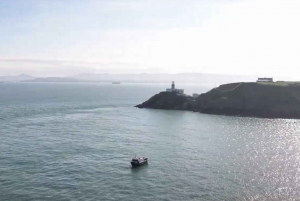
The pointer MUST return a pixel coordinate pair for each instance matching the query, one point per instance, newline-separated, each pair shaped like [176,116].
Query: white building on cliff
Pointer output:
[179,92]
[264,79]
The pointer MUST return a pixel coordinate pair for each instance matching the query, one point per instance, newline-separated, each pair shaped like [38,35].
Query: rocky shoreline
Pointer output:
[265,100]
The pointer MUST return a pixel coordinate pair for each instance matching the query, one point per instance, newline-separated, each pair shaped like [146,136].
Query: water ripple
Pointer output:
[75,148]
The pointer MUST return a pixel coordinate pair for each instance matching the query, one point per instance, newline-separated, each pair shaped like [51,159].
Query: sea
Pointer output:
[75,141]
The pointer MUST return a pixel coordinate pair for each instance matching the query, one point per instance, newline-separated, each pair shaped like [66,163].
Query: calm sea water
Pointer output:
[75,142]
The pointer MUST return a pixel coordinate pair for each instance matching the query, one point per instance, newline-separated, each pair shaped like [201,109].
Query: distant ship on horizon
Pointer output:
[116,82]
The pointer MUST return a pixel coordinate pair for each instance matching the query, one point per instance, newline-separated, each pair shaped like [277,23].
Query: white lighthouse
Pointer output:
[179,92]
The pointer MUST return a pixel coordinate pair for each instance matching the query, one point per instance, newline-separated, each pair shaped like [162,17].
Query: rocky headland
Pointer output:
[267,100]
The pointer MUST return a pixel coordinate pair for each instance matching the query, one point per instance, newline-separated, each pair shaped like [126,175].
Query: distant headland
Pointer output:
[264,98]
[54,79]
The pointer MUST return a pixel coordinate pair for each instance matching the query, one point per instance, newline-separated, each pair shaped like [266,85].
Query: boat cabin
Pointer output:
[138,161]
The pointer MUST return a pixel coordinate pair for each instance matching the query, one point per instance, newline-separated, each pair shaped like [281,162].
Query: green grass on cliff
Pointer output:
[270,100]
[279,83]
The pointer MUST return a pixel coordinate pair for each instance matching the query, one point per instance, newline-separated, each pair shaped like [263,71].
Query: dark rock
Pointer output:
[269,100]
[164,100]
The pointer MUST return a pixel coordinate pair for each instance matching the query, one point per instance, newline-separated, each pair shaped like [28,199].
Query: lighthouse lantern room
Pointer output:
[179,92]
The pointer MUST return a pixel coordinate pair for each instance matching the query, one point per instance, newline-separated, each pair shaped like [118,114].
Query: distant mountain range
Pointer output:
[18,78]
[54,79]
[137,78]
[167,78]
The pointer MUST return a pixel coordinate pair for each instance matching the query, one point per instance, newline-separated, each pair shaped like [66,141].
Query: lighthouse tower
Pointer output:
[179,92]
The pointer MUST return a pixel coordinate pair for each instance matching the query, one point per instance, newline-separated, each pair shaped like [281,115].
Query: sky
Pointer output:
[63,38]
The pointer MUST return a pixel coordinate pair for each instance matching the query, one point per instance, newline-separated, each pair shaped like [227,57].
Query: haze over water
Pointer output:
[75,142]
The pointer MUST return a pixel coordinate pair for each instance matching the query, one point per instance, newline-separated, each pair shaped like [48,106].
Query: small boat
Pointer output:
[138,161]
[116,82]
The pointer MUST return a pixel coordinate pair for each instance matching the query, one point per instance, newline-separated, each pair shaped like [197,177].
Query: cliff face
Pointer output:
[274,100]
[164,100]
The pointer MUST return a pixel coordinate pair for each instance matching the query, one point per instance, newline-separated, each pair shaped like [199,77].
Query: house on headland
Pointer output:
[264,79]
[179,92]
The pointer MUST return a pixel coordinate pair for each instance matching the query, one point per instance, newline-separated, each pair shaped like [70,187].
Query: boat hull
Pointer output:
[137,164]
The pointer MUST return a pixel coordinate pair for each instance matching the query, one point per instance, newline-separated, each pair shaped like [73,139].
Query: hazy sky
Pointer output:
[55,37]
